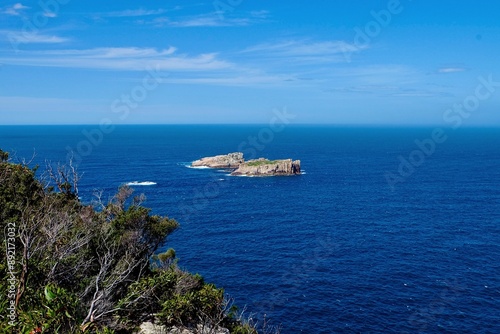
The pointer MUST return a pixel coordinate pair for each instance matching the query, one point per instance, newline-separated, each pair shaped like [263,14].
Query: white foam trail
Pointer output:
[197,167]
[137,183]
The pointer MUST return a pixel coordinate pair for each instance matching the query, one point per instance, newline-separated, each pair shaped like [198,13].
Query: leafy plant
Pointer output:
[87,270]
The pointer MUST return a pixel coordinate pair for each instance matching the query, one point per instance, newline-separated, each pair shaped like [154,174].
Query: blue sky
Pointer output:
[234,61]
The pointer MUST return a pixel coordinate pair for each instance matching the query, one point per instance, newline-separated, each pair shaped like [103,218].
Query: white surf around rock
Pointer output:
[144,183]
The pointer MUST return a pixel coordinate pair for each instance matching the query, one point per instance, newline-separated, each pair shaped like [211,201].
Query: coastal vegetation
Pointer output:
[260,162]
[71,267]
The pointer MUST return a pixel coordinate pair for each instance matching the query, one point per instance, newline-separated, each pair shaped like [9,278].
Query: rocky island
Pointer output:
[255,167]
[231,160]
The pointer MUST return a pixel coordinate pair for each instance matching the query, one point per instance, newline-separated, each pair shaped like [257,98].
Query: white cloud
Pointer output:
[422,93]
[451,69]
[238,80]
[134,13]
[122,59]
[325,51]
[393,91]
[15,10]
[375,80]
[364,89]
[19,37]
[202,69]
[210,20]
[262,14]
[19,6]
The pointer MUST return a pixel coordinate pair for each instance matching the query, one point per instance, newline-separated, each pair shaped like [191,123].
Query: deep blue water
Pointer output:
[335,250]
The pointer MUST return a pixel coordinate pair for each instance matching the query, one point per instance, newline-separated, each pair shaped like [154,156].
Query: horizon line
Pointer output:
[391,125]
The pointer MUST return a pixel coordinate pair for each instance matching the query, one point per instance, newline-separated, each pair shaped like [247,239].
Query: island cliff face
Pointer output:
[264,167]
[231,160]
[256,167]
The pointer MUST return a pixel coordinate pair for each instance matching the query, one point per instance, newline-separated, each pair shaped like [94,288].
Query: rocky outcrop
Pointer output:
[257,167]
[231,160]
[265,167]
[150,328]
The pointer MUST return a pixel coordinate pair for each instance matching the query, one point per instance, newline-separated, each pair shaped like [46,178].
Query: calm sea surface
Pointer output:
[335,250]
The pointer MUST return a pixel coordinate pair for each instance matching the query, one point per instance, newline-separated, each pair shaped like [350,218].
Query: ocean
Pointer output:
[388,230]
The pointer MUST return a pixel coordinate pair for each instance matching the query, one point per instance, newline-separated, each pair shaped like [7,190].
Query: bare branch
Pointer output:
[66,178]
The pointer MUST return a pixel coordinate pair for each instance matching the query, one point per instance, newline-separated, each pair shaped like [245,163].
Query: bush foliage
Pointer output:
[93,268]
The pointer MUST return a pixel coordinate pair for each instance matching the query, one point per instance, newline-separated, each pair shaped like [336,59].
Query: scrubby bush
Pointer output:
[79,269]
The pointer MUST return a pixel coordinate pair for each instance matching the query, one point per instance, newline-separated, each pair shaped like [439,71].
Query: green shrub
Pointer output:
[196,306]
[261,162]
[56,311]
[80,269]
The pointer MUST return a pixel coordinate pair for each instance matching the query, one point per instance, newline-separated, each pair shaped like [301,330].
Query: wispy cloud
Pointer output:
[384,75]
[421,93]
[323,51]
[198,69]
[210,20]
[50,14]
[246,80]
[364,89]
[392,91]
[133,13]
[387,80]
[15,10]
[122,59]
[451,69]
[262,14]
[20,37]
[206,21]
